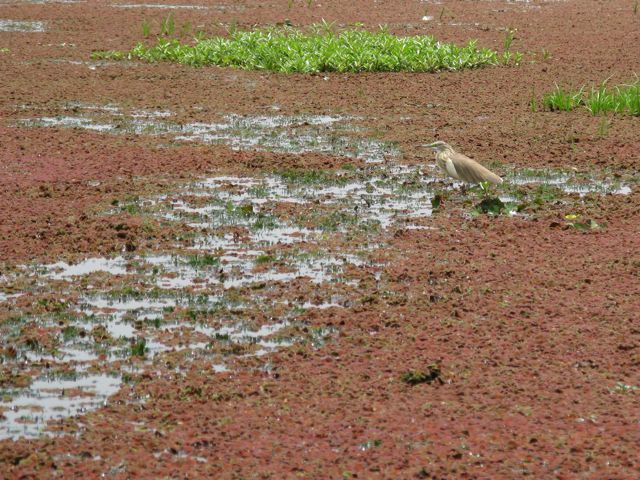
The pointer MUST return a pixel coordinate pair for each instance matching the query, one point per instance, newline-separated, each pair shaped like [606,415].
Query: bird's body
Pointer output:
[461,167]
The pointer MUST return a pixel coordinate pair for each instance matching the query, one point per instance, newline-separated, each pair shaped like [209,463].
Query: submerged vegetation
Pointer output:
[603,99]
[289,50]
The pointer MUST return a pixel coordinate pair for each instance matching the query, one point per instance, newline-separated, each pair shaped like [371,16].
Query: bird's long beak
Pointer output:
[431,145]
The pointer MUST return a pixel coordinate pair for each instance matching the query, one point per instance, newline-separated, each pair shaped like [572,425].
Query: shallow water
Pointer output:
[568,182]
[47,399]
[21,26]
[331,134]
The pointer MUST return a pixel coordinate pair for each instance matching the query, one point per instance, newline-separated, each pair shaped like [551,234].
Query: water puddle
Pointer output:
[27,413]
[61,270]
[21,26]
[568,182]
[330,134]
[5,297]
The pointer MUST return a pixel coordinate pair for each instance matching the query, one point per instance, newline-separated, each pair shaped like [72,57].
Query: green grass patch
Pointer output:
[202,260]
[264,258]
[239,211]
[289,50]
[70,332]
[623,99]
[139,348]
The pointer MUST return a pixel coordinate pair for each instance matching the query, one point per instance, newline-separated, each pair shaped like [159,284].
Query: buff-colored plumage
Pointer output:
[461,167]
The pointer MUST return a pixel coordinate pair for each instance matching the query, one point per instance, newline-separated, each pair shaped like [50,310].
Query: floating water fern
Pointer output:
[288,50]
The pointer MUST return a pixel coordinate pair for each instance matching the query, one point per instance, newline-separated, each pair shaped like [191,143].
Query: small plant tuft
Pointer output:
[432,374]
[168,26]
[492,206]
[533,102]
[139,348]
[562,100]
[146,29]
[203,260]
[508,40]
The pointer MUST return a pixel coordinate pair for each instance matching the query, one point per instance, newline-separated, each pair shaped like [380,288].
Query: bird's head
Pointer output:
[439,146]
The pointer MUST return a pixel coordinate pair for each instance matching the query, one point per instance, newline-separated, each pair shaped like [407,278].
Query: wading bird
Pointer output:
[461,167]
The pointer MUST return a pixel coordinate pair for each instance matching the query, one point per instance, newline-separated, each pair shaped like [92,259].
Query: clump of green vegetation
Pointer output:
[109,55]
[202,260]
[508,39]
[139,348]
[533,102]
[308,177]
[623,388]
[243,211]
[334,220]
[620,99]
[264,222]
[438,200]
[432,374]
[168,26]
[289,50]
[264,258]
[70,332]
[563,100]
[586,225]
[370,444]
[545,194]
[492,205]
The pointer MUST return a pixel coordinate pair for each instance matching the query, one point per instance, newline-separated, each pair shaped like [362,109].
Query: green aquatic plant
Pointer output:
[70,332]
[264,258]
[146,28]
[508,40]
[168,26]
[139,348]
[624,99]
[603,127]
[307,177]
[264,222]
[289,50]
[433,373]
[202,260]
[491,205]
[624,388]
[561,99]
[533,102]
